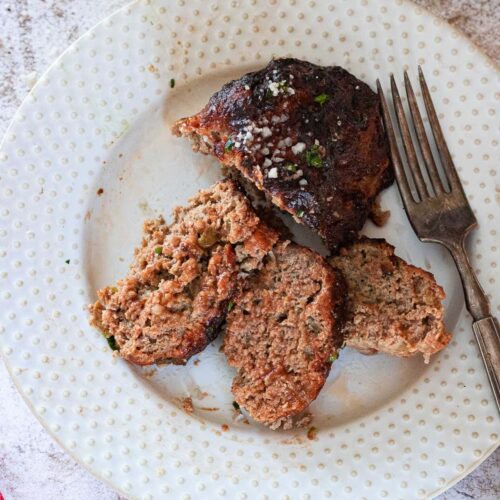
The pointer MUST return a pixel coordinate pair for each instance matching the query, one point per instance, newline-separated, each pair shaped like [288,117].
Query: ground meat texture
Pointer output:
[310,137]
[393,307]
[283,334]
[175,297]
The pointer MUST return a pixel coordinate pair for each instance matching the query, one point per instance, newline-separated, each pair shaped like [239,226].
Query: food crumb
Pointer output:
[224,427]
[187,405]
[100,191]
[172,83]
[378,215]
[196,362]
[312,433]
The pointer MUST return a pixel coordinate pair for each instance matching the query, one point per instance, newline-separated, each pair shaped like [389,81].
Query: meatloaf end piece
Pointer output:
[393,307]
[310,137]
[175,296]
[283,334]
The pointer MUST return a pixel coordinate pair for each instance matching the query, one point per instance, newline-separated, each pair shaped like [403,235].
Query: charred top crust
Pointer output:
[321,121]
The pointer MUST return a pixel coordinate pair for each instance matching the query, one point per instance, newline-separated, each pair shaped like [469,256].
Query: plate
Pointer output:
[89,156]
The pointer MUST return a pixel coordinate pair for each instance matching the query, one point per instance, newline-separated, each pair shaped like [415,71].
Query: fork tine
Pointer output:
[422,138]
[446,160]
[404,187]
[407,142]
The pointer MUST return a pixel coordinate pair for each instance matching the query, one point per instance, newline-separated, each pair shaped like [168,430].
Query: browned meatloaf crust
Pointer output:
[175,296]
[309,136]
[394,307]
[283,334]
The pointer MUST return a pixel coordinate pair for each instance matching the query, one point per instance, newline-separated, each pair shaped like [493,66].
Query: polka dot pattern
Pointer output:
[79,131]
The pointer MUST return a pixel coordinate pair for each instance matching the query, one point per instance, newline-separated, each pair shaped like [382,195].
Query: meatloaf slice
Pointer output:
[309,136]
[283,334]
[174,298]
[393,307]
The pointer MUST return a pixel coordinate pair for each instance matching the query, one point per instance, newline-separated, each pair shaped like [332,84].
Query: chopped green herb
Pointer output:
[236,406]
[291,167]
[333,358]
[230,306]
[158,250]
[321,98]
[114,289]
[313,157]
[300,213]
[172,83]
[229,146]
[112,343]
[67,261]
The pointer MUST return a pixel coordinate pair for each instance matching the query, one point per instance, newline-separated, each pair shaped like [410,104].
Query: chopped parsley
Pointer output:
[67,261]
[229,146]
[172,83]
[236,406]
[158,250]
[333,358]
[112,343]
[313,157]
[321,98]
[291,167]
[300,213]
[230,306]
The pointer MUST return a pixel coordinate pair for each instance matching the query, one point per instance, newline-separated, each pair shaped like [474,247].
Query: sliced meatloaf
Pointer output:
[283,333]
[393,307]
[175,296]
[309,136]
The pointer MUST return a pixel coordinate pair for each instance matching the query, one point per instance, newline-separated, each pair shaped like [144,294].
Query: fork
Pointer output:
[440,213]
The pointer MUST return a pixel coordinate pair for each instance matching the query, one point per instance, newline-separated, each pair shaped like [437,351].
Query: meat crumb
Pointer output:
[187,405]
[312,433]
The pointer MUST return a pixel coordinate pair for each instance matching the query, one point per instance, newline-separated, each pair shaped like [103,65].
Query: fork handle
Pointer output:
[485,326]
[488,339]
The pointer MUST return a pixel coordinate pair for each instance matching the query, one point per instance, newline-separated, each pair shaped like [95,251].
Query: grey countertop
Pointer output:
[33,33]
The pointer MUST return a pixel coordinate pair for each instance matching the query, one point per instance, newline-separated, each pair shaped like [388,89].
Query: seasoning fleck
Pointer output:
[313,157]
[321,98]
[172,83]
[158,250]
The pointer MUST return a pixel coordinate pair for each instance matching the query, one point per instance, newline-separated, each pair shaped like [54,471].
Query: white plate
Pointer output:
[99,119]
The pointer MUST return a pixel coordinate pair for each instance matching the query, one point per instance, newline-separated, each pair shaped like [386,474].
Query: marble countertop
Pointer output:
[33,33]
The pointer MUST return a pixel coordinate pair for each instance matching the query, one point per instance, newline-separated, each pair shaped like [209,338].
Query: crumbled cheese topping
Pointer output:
[303,182]
[267,163]
[280,87]
[298,148]
[273,173]
[266,132]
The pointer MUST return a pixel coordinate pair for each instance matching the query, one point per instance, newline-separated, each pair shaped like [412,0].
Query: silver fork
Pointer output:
[439,214]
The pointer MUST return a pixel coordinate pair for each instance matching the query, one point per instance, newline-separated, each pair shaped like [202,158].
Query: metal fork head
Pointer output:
[437,213]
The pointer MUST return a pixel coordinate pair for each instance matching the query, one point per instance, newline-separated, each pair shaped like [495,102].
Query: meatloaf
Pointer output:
[393,307]
[310,137]
[175,296]
[283,334]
